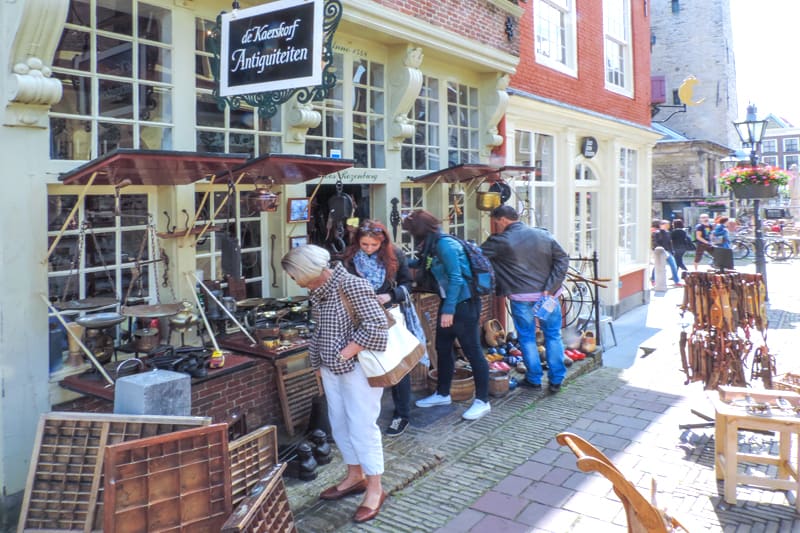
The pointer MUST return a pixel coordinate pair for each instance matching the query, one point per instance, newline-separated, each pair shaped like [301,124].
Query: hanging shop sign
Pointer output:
[589,147]
[271,47]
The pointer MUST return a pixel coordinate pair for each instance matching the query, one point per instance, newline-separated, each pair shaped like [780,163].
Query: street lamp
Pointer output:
[751,131]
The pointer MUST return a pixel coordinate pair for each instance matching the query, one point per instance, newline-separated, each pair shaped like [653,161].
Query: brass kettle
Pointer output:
[486,201]
[263,199]
[184,318]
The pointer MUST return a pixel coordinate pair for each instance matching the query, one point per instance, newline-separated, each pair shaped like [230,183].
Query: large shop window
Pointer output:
[114,61]
[411,197]
[555,35]
[462,124]
[239,131]
[238,219]
[361,89]
[586,211]
[97,256]
[628,207]
[421,152]
[536,202]
[619,60]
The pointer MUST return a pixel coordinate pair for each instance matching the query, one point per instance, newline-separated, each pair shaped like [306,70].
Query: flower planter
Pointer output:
[753,190]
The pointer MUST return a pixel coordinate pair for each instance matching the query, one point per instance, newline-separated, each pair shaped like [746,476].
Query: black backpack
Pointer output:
[483,280]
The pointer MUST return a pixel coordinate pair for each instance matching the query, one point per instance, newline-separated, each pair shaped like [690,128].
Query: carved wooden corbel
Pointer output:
[495,102]
[404,84]
[32,90]
[301,118]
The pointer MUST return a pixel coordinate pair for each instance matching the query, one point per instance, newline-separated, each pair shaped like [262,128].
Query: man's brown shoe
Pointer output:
[364,513]
[332,493]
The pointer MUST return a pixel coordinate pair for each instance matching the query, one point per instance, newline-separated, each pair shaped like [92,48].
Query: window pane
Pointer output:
[155,64]
[76,97]
[210,141]
[155,138]
[208,113]
[116,99]
[114,57]
[155,103]
[79,13]
[73,51]
[115,16]
[155,23]
[70,139]
[113,136]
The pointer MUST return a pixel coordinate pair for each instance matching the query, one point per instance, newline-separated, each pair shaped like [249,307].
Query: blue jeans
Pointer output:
[672,266]
[522,313]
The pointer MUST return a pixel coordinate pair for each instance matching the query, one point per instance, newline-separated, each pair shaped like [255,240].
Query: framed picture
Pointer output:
[298,210]
[300,240]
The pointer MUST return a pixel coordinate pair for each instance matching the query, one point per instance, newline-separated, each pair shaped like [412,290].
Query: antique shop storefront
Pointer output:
[114,83]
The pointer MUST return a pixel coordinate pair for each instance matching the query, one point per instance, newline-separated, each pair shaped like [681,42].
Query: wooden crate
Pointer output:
[788,381]
[180,482]
[252,457]
[266,510]
[298,385]
[64,491]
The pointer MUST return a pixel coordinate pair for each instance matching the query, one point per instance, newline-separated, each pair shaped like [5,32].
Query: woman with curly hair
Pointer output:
[372,256]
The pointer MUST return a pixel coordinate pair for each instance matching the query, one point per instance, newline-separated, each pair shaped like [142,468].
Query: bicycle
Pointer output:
[779,250]
[740,248]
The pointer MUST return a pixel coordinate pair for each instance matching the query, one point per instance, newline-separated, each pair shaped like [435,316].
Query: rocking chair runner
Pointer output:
[643,516]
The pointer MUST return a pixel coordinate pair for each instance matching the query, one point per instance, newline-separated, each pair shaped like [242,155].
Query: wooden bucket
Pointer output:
[462,388]
[498,383]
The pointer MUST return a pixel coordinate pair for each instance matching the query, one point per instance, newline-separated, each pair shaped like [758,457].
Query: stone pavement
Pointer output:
[505,472]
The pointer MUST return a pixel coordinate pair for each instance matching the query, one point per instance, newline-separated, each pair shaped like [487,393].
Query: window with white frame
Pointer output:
[618,54]
[412,197]
[770,160]
[98,253]
[769,146]
[421,152]
[628,226]
[237,219]
[241,131]
[328,137]
[554,35]
[457,211]
[790,144]
[535,199]
[114,61]
[789,160]
[369,93]
[462,124]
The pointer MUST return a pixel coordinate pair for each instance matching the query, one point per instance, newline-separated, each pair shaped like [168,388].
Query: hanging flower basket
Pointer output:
[753,182]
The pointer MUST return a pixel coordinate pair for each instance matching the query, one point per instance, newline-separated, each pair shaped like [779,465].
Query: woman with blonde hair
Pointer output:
[340,334]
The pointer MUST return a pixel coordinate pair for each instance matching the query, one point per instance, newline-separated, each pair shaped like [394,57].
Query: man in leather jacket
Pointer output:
[530,267]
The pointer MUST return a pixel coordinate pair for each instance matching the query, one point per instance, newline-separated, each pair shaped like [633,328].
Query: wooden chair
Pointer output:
[643,516]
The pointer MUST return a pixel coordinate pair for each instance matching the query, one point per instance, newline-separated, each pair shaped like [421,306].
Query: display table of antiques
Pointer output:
[740,408]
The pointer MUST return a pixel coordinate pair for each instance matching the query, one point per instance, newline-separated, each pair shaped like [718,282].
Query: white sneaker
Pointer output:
[477,410]
[434,399]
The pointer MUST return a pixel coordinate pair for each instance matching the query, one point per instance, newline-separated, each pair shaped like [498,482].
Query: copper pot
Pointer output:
[145,339]
[264,199]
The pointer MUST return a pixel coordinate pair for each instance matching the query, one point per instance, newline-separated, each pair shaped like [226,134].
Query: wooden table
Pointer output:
[732,414]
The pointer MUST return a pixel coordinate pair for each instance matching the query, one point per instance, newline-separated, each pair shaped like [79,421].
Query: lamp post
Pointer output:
[751,131]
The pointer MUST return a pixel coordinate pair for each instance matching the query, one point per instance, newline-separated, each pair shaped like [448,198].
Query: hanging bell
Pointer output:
[263,199]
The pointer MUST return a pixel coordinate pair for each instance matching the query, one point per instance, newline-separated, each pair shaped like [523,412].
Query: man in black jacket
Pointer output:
[530,267]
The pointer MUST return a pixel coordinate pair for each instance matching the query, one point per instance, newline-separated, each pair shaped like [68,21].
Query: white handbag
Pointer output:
[403,350]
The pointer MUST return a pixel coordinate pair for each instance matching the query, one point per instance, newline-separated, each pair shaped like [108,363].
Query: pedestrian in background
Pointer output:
[681,242]
[353,406]
[660,237]
[372,256]
[459,311]
[720,236]
[702,239]
[530,267]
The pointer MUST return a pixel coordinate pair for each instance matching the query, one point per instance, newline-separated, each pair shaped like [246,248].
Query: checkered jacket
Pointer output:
[334,327]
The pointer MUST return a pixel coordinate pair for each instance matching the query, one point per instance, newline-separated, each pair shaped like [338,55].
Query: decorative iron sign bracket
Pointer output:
[268,103]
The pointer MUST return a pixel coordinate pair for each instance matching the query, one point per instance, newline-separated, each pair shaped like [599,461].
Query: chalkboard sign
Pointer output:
[271,47]
[774,213]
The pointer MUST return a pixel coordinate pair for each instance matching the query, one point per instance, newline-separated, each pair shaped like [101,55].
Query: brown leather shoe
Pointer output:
[364,513]
[332,493]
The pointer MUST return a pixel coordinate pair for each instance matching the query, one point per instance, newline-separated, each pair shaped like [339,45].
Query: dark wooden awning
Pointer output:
[468,172]
[152,167]
[288,168]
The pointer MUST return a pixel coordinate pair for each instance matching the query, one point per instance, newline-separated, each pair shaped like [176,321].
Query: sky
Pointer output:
[766,37]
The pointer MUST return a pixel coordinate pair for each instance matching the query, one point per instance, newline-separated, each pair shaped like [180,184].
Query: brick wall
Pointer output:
[252,391]
[588,89]
[475,19]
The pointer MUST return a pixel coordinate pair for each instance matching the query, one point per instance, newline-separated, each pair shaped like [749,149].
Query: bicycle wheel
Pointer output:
[778,250]
[740,249]
[577,300]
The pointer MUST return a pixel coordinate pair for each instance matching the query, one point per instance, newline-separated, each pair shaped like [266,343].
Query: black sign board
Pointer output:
[271,47]
[589,147]
[772,212]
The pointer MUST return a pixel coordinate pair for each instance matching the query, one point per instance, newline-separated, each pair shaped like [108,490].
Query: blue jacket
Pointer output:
[450,267]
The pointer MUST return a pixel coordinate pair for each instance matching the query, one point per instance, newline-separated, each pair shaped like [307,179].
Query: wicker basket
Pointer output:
[788,381]
[462,388]
[498,383]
